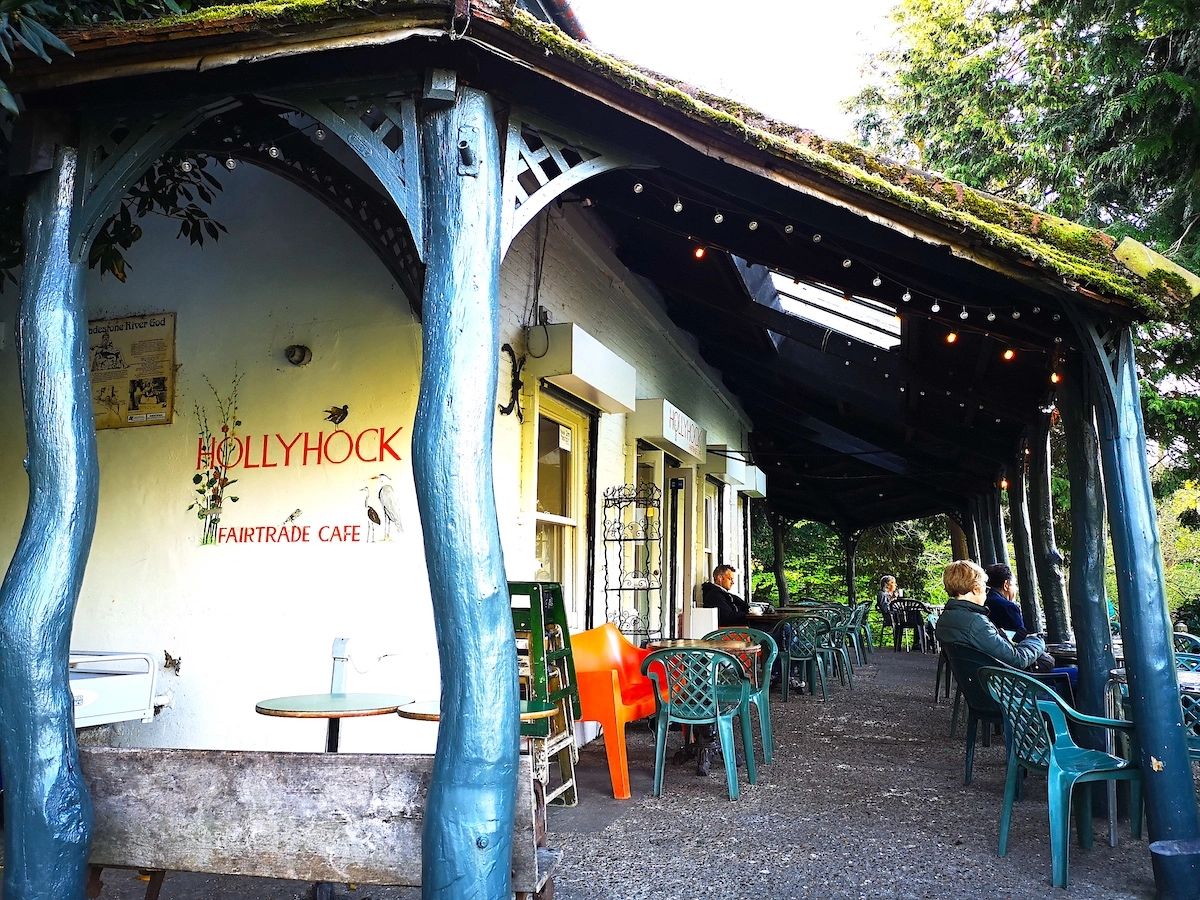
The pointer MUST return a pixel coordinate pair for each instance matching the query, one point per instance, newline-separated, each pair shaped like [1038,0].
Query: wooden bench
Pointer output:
[319,817]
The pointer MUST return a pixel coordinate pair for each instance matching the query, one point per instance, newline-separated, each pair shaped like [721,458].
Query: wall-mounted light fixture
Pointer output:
[298,354]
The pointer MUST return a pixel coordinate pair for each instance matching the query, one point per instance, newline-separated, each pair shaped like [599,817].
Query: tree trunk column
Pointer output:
[1145,623]
[467,838]
[48,812]
[1089,608]
[995,512]
[1018,509]
[1047,560]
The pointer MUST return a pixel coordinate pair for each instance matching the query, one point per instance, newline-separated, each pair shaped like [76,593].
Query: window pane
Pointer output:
[552,542]
[554,467]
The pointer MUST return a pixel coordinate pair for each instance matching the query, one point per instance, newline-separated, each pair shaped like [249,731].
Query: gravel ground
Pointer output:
[865,800]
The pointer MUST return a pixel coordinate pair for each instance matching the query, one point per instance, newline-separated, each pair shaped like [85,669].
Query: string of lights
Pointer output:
[887,283]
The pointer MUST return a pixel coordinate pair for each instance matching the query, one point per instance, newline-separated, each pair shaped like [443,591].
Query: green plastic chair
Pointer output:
[764,660]
[1040,741]
[1188,662]
[1185,642]
[799,640]
[1191,723]
[701,687]
[965,663]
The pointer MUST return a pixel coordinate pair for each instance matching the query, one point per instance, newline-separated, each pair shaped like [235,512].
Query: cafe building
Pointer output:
[474,304]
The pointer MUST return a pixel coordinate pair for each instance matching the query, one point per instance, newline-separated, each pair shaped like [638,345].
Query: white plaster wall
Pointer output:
[249,621]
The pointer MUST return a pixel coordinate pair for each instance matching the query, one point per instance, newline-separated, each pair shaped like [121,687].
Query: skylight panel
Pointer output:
[855,317]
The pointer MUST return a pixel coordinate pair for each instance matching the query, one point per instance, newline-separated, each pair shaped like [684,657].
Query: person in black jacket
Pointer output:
[731,609]
[1001,603]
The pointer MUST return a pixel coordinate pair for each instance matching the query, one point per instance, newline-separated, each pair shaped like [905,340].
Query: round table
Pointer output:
[333,707]
[701,644]
[431,710]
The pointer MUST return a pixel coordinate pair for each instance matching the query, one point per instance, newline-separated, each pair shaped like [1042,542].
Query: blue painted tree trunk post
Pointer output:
[468,829]
[47,809]
[1145,622]
[1089,608]
[1018,515]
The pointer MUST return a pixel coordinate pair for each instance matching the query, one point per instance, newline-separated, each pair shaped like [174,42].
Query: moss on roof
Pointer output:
[1080,254]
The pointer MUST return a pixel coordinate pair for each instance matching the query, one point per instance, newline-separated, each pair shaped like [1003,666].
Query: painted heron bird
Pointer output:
[389,505]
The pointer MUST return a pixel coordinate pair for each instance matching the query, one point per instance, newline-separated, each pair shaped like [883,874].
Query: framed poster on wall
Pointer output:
[132,366]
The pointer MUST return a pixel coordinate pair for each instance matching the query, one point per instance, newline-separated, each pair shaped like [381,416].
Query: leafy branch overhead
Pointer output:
[1087,110]
[165,189]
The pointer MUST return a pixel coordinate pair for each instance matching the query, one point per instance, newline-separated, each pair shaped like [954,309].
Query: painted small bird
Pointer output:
[337,414]
[373,519]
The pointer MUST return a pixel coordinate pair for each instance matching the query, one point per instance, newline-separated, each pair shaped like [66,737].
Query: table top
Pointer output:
[1069,651]
[1189,682]
[431,710]
[331,706]
[700,644]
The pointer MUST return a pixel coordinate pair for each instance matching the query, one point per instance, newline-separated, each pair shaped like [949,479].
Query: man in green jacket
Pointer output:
[965,620]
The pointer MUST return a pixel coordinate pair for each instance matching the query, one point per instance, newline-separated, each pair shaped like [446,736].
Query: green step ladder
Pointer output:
[547,671]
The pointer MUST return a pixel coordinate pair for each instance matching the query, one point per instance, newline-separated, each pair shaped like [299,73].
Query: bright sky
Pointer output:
[792,59]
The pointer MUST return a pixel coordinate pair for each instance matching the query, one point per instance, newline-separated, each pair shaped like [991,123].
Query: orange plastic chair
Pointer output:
[612,691]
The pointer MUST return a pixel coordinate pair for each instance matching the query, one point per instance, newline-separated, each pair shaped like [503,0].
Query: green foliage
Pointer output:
[815,565]
[1083,108]
[164,190]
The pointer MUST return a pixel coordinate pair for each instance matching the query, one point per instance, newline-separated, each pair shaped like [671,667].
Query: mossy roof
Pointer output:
[1080,255]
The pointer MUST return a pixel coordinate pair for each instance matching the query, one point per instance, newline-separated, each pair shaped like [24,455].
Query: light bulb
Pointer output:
[951,338]
[816,239]
[963,314]
[846,263]
[231,163]
[1055,378]
[1036,310]
[273,152]
[699,253]
[991,316]
[753,225]
[906,296]
[678,207]
[1009,354]
[185,166]
[638,188]
[718,218]
[877,281]
[1056,317]
[788,229]
[319,134]
[1016,314]
[937,307]
[1057,339]
[1004,484]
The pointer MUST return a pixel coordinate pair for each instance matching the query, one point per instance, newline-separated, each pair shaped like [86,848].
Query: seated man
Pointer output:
[731,609]
[1001,601]
[965,620]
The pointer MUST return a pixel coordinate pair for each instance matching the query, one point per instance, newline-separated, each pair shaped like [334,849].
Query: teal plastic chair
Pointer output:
[1188,662]
[1185,642]
[1040,741]
[1191,722]
[965,664]
[701,687]
[799,640]
[761,663]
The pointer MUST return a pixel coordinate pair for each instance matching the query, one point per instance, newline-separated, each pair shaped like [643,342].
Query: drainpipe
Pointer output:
[564,17]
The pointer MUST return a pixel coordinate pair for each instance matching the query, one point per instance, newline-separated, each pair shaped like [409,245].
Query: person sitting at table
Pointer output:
[1001,601]
[731,609]
[965,621]
[887,593]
